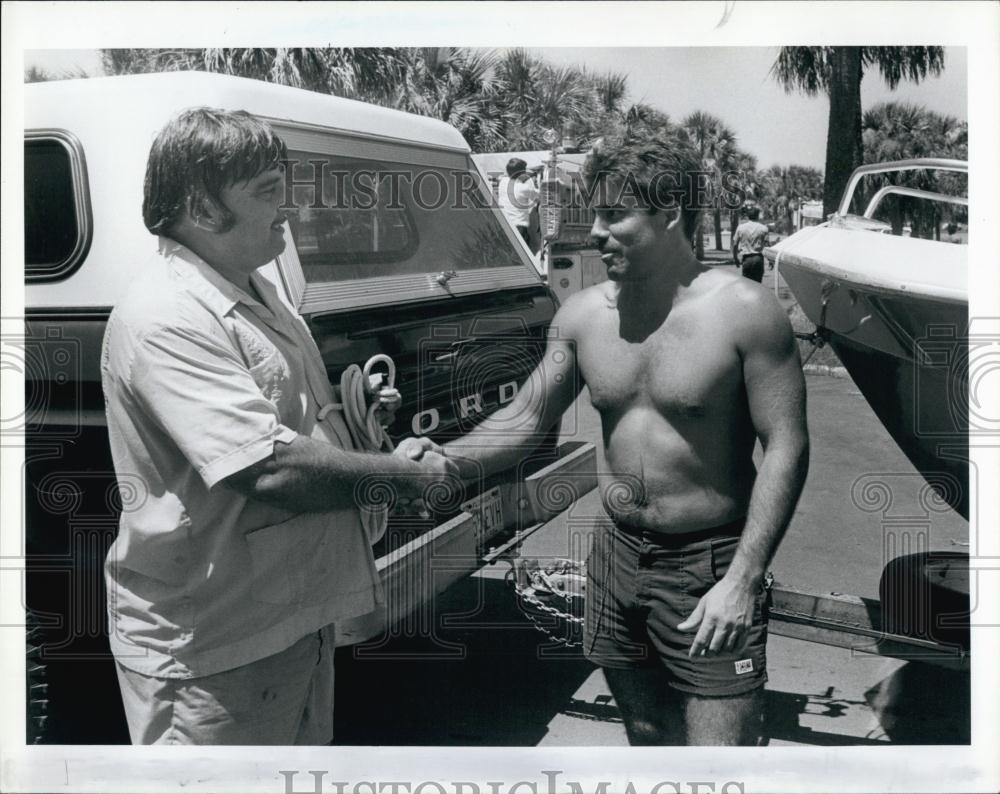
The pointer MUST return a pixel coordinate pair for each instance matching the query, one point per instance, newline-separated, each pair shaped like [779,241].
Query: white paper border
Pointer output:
[976,26]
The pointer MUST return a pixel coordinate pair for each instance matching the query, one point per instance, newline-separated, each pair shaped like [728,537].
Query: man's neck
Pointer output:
[236,277]
[666,281]
[644,304]
[232,274]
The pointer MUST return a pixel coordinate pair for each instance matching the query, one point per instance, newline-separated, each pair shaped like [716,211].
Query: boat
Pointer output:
[895,310]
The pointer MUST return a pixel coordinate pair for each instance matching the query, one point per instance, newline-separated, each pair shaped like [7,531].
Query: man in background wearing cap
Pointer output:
[517,195]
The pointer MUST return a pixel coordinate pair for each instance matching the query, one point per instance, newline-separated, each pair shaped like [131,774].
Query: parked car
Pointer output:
[443,286]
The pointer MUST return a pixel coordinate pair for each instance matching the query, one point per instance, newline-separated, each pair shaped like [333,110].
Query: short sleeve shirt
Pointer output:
[516,199]
[201,380]
[750,238]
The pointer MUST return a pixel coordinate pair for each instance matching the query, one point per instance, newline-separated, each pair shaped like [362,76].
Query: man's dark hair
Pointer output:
[659,167]
[753,213]
[952,228]
[515,166]
[198,154]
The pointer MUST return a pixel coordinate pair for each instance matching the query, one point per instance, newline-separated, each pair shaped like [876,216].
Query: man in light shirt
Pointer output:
[247,544]
[517,196]
[749,241]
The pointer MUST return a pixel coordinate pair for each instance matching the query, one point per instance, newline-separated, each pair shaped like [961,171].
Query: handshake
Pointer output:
[438,471]
[432,456]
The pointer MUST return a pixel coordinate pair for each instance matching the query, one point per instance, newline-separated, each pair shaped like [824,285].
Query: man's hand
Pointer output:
[440,468]
[415,447]
[723,618]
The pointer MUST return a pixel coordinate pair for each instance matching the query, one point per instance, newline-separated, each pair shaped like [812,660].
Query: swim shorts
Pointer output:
[642,584]
[752,267]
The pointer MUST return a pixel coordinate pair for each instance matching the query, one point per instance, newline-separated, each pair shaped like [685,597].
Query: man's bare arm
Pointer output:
[507,435]
[313,476]
[776,395]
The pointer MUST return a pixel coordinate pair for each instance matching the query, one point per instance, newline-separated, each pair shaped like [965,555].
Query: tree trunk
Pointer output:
[699,241]
[843,136]
[718,229]
[896,215]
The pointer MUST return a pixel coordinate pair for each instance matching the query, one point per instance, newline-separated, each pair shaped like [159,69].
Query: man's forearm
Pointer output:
[499,442]
[775,493]
[506,436]
[483,451]
[312,476]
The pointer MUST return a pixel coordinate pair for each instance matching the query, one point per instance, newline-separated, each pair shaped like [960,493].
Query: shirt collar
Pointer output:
[204,279]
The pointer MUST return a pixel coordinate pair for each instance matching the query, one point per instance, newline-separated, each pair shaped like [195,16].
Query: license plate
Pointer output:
[487,512]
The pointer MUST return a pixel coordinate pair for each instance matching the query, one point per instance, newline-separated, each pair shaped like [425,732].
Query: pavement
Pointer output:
[478,672]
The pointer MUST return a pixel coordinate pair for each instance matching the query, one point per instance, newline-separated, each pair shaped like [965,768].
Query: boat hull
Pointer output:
[905,348]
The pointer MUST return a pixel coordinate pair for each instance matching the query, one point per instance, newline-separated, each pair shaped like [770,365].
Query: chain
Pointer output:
[527,595]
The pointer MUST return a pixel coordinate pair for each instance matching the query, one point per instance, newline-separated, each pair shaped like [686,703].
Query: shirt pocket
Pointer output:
[721,552]
[293,562]
[273,378]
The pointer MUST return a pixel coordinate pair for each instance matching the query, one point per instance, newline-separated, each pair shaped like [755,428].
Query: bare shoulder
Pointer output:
[755,318]
[581,308]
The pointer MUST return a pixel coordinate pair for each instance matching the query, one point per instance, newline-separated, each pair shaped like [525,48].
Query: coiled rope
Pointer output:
[361,395]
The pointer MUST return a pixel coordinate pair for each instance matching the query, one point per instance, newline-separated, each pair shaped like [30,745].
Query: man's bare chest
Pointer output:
[684,369]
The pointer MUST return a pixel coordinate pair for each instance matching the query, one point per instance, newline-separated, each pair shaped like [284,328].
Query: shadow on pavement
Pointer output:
[782,720]
[481,679]
[918,704]
[924,704]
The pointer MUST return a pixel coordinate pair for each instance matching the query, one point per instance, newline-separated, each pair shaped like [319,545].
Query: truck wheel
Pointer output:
[926,595]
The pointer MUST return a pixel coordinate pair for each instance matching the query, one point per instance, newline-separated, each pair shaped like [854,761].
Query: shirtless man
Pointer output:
[688,367]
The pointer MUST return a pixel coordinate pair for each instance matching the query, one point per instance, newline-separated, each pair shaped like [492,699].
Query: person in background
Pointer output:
[749,241]
[517,195]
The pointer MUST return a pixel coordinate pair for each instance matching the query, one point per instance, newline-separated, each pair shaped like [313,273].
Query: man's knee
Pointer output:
[645,732]
[735,720]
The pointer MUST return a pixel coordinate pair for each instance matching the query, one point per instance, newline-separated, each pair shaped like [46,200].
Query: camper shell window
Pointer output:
[57,226]
[356,218]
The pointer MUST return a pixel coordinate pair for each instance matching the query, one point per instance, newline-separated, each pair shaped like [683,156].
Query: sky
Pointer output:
[730,82]
[733,83]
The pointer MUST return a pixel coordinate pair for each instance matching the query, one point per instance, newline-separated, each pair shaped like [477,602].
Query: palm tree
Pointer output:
[838,71]
[716,144]
[365,73]
[143,61]
[36,74]
[902,130]
[607,112]
[455,85]
[533,96]
[746,165]
[781,190]
[641,115]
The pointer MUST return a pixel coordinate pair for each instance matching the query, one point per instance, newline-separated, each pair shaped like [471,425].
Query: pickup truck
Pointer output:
[442,286]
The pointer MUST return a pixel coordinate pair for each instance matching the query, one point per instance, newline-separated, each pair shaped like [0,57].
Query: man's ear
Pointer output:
[671,216]
[203,213]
